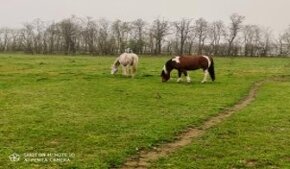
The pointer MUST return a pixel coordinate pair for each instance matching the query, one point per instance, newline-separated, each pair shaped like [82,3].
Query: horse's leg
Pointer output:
[205,76]
[127,70]
[133,70]
[130,71]
[124,69]
[187,76]
[179,76]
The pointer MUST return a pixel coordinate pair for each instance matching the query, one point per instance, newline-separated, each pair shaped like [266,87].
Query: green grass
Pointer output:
[59,104]
[256,137]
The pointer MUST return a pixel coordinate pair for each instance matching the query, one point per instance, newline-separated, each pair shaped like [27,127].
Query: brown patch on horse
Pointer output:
[192,63]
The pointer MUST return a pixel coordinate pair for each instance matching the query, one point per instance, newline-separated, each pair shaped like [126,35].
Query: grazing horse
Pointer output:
[185,63]
[129,63]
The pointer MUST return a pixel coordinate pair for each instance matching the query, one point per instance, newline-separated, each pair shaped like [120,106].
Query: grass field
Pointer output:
[72,105]
[256,137]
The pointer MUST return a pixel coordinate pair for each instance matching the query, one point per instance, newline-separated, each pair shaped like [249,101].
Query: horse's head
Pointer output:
[165,75]
[114,70]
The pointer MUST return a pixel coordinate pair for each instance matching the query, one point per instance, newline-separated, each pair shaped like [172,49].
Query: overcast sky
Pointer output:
[269,13]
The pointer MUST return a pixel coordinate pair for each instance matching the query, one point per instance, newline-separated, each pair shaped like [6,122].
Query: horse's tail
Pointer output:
[211,70]
[136,60]
[135,63]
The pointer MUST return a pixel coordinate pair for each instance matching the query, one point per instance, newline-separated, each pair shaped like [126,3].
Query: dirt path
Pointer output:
[143,158]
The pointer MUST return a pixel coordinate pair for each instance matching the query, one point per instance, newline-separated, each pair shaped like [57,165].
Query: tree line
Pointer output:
[75,35]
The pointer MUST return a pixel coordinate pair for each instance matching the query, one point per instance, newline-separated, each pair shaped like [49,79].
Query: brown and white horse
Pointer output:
[185,63]
[129,62]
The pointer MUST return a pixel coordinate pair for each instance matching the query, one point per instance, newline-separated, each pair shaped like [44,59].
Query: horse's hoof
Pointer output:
[179,80]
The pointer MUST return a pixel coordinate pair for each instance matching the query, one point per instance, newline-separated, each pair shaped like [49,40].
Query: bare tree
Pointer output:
[137,43]
[182,30]
[39,41]
[257,40]
[5,34]
[266,41]
[249,32]
[215,32]
[150,42]
[159,30]
[52,35]
[235,26]
[28,35]
[15,40]
[201,28]
[103,36]
[89,34]
[69,31]
[86,35]
[284,42]
[189,43]
[287,39]
[121,32]
[280,45]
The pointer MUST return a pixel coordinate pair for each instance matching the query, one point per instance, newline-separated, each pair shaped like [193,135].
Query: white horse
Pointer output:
[129,63]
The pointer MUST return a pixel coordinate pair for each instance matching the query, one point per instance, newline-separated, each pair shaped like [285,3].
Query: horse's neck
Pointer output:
[168,68]
[117,62]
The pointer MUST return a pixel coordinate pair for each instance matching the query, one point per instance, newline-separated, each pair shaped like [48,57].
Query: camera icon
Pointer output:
[14,157]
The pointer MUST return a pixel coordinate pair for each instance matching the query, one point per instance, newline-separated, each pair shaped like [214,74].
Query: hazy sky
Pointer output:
[268,13]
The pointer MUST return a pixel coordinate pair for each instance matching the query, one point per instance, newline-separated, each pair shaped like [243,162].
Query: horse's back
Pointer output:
[136,58]
[191,62]
[128,58]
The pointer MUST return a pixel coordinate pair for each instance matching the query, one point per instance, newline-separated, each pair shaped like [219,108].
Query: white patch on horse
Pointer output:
[205,76]
[176,59]
[165,70]
[188,79]
[208,60]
